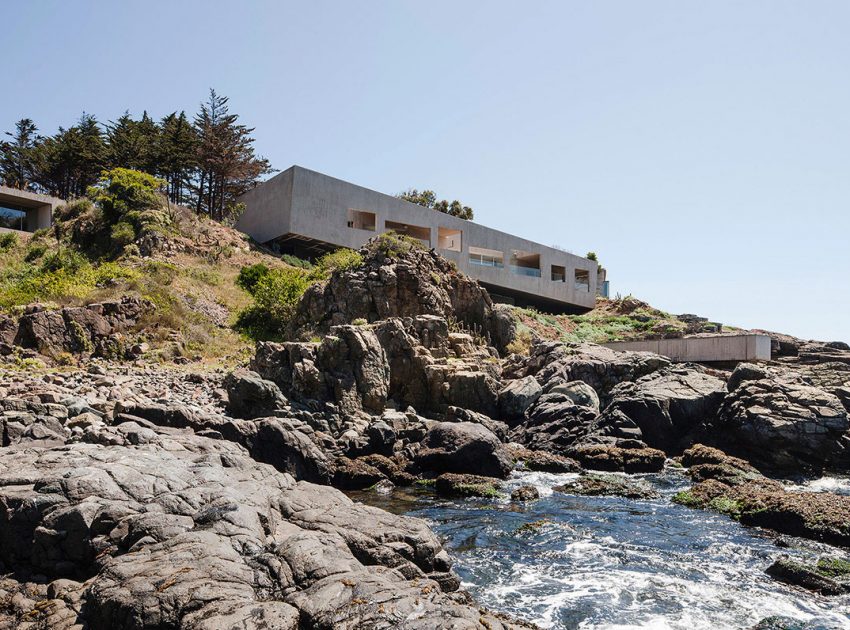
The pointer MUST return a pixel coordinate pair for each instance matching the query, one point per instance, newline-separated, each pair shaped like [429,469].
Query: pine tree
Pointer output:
[227,163]
[16,156]
[177,155]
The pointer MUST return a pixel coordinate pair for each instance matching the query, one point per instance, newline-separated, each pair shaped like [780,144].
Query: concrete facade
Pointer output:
[705,349]
[38,208]
[305,211]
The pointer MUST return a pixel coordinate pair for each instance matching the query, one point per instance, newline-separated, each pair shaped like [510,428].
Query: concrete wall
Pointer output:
[39,208]
[310,204]
[746,347]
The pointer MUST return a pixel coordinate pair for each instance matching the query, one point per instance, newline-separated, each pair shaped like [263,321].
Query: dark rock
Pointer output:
[251,396]
[463,447]
[406,283]
[662,409]
[525,493]
[792,572]
[189,532]
[780,423]
[615,458]
[453,485]
[517,396]
[598,484]
[543,461]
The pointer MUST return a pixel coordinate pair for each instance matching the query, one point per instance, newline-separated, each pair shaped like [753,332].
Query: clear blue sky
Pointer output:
[701,148]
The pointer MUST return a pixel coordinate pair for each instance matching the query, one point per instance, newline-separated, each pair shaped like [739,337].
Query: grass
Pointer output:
[833,567]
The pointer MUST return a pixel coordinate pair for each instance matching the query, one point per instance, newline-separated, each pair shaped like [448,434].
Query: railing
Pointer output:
[525,271]
[486,262]
[582,286]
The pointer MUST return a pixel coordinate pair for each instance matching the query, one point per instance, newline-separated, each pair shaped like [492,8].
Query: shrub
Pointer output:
[276,295]
[66,260]
[521,344]
[122,190]
[592,256]
[8,240]
[122,234]
[289,259]
[393,245]
[249,276]
[35,251]
[338,260]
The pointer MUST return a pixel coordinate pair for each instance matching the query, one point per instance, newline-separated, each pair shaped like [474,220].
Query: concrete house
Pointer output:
[306,213]
[24,211]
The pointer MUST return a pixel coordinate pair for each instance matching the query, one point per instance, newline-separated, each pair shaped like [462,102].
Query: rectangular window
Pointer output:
[482,257]
[559,273]
[582,280]
[415,231]
[13,219]
[449,239]
[361,220]
[525,263]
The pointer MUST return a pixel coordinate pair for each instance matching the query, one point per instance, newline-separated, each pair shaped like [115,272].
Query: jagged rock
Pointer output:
[597,484]
[251,396]
[189,532]
[517,396]
[781,423]
[463,447]
[89,330]
[744,372]
[553,363]
[525,493]
[662,409]
[355,474]
[554,423]
[282,442]
[400,281]
[349,367]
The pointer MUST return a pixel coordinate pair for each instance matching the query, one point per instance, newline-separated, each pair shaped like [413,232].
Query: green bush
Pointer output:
[35,251]
[276,294]
[123,190]
[249,276]
[122,234]
[393,245]
[289,259]
[8,240]
[338,260]
[66,260]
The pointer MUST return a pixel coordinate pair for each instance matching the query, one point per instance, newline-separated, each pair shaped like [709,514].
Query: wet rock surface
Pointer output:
[601,484]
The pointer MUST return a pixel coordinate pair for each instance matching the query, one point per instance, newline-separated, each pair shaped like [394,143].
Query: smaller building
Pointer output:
[24,211]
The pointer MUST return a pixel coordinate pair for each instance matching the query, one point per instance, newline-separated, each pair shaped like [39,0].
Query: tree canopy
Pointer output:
[206,162]
[428,199]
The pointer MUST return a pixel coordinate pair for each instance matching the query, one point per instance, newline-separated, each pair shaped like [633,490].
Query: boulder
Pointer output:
[517,396]
[662,409]
[554,423]
[597,484]
[525,493]
[634,458]
[452,485]
[463,447]
[251,396]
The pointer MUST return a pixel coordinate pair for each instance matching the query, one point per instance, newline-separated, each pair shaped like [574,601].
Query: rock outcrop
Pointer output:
[463,447]
[775,419]
[93,330]
[139,527]
[400,278]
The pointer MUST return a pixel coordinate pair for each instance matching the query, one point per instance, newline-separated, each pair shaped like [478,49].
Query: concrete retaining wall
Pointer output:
[746,347]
